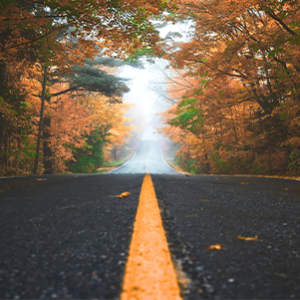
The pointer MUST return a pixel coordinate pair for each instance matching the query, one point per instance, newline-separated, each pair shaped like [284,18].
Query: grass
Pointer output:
[110,165]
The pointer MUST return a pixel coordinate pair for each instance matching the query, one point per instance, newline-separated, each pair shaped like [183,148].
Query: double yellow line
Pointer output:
[150,273]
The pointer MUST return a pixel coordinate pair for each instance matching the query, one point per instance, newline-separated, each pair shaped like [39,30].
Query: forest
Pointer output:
[61,102]
[234,91]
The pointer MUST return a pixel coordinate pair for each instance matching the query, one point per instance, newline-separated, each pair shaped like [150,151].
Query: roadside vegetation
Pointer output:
[61,107]
[235,89]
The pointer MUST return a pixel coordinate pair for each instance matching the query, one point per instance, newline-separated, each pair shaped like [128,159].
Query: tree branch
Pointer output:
[289,30]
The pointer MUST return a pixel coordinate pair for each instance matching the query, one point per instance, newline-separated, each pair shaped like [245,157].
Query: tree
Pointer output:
[244,57]
[61,34]
[107,127]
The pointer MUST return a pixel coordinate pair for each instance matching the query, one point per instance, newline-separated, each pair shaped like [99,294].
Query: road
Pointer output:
[147,159]
[69,236]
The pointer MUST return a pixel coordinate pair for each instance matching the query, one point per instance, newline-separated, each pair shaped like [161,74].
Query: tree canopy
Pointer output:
[241,113]
[53,54]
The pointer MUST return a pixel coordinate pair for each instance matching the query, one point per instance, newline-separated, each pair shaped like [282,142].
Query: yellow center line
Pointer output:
[150,273]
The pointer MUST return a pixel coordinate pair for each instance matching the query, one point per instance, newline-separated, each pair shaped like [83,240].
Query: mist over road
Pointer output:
[148,157]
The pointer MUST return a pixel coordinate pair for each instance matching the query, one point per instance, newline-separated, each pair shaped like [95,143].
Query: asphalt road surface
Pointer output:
[68,236]
[147,159]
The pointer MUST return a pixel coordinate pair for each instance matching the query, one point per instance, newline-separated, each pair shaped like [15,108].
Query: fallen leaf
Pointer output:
[125,194]
[245,183]
[93,274]
[281,275]
[214,247]
[64,251]
[248,238]
[286,189]
[41,179]
[8,198]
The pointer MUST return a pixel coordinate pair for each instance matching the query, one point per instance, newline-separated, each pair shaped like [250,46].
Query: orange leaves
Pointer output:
[239,237]
[255,238]
[25,18]
[222,65]
[112,116]
[214,247]
[245,183]
[122,195]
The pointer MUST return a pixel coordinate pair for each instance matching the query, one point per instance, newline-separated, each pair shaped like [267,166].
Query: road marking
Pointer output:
[150,273]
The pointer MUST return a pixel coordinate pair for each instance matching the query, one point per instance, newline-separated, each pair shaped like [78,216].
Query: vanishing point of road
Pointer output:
[175,236]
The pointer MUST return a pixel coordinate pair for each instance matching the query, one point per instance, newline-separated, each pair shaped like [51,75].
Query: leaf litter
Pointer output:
[214,247]
[122,195]
[125,194]
[255,238]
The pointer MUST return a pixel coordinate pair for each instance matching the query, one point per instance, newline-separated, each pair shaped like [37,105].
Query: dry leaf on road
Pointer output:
[125,194]
[245,183]
[215,247]
[64,251]
[248,238]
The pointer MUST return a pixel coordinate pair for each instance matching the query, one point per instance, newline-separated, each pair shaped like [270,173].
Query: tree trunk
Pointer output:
[5,156]
[207,166]
[2,76]
[37,153]
[114,153]
[48,164]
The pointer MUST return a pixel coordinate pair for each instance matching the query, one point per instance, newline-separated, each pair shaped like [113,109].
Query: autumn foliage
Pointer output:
[239,111]
[235,89]
[55,107]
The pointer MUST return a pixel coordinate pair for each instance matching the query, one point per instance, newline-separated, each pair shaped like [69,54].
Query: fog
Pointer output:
[148,92]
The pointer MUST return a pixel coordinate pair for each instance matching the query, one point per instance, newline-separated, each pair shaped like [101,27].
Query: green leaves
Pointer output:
[189,116]
[139,53]
[89,158]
